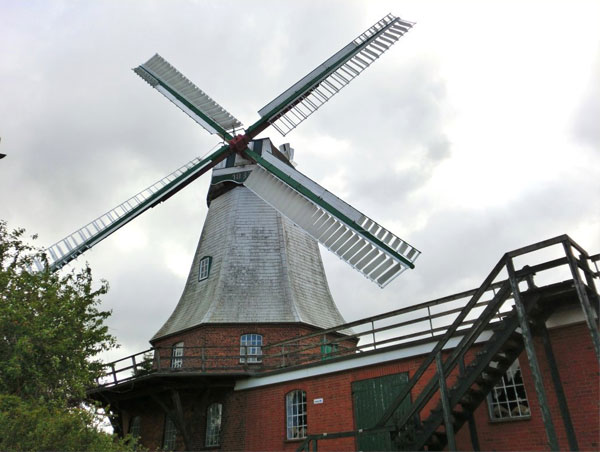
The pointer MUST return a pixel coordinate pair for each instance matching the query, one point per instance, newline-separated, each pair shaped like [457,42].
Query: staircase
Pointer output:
[458,381]
[476,381]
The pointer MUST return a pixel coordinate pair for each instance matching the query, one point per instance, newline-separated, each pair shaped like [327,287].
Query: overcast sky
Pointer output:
[475,134]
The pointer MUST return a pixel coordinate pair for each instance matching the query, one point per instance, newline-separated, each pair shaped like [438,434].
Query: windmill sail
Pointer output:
[297,103]
[356,239]
[187,96]
[72,246]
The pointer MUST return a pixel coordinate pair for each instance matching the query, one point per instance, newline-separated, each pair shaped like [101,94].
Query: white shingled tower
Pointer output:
[262,268]
[258,260]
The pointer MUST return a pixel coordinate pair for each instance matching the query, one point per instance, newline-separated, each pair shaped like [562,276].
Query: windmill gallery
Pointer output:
[256,355]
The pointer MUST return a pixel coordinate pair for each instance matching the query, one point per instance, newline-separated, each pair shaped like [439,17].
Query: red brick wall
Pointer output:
[578,369]
[254,419]
[220,345]
[265,416]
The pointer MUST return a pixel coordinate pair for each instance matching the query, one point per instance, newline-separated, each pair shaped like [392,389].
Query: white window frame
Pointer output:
[169,434]
[177,356]
[508,399]
[214,417]
[251,348]
[295,414]
[204,268]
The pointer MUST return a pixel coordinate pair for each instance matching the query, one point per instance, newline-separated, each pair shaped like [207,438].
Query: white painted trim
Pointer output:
[232,170]
[161,89]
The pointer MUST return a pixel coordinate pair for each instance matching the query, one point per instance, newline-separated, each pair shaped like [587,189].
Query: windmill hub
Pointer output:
[239,143]
[265,170]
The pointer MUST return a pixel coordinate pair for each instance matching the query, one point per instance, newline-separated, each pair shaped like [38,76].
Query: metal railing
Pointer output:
[506,292]
[433,320]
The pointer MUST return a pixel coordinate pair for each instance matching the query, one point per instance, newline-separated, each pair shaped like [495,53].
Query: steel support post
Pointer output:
[558,389]
[533,362]
[586,306]
[373,333]
[589,278]
[470,419]
[445,402]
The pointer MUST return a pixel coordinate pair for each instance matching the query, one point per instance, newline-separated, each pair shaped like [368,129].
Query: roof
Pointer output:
[264,269]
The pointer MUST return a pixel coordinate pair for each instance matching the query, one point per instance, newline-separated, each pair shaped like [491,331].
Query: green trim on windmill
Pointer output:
[238,177]
[159,196]
[312,83]
[326,206]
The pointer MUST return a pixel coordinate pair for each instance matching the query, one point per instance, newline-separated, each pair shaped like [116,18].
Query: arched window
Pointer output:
[170,434]
[251,348]
[177,356]
[213,424]
[295,409]
[204,268]
[135,426]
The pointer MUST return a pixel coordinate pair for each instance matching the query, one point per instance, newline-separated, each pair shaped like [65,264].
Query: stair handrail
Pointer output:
[453,359]
[441,343]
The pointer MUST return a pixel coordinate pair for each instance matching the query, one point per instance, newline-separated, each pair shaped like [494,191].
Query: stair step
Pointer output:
[503,362]
[471,399]
[437,441]
[494,370]
[485,381]
[460,415]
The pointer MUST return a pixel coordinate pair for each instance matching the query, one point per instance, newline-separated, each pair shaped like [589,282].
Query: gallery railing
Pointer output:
[424,322]
[458,368]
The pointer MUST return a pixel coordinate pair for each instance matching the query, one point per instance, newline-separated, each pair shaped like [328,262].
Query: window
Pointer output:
[295,409]
[204,268]
[177,356]
[328,350]
[508,399]
[213,424]
[135,426]
[250,348]
[170,435]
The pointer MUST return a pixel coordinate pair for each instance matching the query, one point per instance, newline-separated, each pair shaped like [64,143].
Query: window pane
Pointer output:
[170,436]
[250,348]
[296,422]
[213,424]
[204,268]
[508,398]
[177,356]
[135,427]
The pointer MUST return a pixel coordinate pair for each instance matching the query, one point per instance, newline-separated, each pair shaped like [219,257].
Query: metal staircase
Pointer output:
[455,381]
[476,381]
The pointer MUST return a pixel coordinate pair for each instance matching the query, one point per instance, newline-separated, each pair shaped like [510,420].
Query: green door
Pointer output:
[371,397]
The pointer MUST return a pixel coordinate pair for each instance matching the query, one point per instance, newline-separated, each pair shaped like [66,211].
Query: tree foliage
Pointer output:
[25,425]
[51,333]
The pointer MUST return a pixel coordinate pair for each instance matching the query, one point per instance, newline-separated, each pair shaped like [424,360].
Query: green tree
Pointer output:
[51,333]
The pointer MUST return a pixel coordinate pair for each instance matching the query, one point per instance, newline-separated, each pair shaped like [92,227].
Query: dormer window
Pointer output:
[204,268]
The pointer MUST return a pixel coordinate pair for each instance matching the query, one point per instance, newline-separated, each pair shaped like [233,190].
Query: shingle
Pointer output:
[264,269]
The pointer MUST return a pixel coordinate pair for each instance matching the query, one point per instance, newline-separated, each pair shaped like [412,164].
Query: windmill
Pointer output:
[371,249]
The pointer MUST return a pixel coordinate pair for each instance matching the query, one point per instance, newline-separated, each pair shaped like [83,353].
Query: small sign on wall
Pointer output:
[318,401]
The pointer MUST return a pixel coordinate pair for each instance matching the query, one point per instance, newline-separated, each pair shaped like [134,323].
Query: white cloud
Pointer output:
[470,137]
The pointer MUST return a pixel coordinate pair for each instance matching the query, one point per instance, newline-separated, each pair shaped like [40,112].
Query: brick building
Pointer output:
[256,355]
